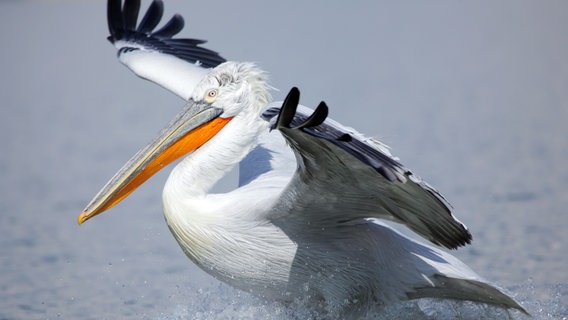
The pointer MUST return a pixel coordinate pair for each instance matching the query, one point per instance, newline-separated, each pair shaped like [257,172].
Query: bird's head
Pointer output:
[228,91]
[234,87]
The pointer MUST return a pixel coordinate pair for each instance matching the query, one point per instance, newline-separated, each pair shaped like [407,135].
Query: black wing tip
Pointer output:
[467,236]
[171,28]
[454,234]
[460,238]
[318,117]
[289,108]
[152,17]
[122,20]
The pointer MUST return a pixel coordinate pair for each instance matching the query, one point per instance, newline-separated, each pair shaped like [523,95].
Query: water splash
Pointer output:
[223,302]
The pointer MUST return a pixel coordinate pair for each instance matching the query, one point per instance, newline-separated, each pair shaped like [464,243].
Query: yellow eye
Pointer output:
[211,95]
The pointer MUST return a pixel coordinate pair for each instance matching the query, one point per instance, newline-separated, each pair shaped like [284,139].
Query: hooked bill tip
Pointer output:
[82,218]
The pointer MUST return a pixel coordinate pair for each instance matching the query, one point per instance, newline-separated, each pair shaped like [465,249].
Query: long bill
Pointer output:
[191,128]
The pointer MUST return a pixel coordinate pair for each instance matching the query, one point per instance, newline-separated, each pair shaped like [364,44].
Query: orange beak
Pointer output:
[190,129]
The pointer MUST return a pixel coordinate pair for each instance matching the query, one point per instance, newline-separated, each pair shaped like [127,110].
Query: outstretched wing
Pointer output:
[343,177]
[175,64]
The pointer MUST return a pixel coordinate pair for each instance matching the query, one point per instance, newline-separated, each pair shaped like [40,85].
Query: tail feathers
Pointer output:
[464,289]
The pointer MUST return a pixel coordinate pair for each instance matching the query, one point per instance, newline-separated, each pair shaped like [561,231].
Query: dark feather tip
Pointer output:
[288,109]
[317,118]
[152,17]
[122,20]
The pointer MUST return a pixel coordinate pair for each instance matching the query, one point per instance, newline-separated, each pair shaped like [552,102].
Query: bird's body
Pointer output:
[285,245]
[306,221]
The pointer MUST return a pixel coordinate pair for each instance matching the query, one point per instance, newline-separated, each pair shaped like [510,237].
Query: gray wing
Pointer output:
[343,177]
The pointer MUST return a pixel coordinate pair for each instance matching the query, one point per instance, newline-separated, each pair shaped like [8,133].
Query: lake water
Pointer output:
[473,96]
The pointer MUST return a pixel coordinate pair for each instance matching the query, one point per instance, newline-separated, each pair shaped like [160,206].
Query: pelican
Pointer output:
[307,220]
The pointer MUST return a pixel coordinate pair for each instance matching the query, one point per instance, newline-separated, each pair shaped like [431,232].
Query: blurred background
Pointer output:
[472,96]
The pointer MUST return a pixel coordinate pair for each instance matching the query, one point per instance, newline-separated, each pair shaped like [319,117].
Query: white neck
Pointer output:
[189,212]
[194,176]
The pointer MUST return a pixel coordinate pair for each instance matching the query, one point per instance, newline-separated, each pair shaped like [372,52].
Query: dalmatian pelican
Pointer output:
[307,220]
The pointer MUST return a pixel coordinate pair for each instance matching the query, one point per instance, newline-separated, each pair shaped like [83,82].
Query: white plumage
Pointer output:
[305,221]
[172,73]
